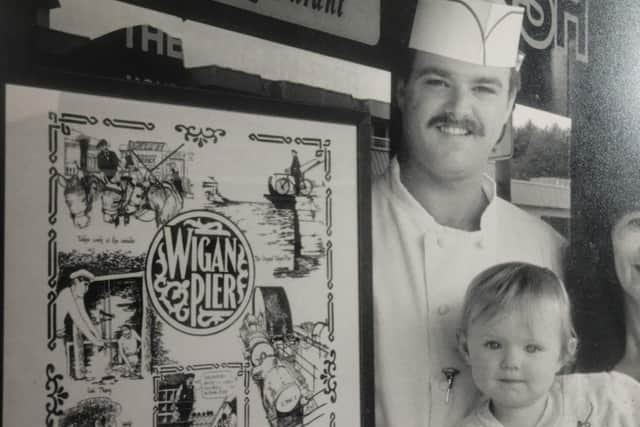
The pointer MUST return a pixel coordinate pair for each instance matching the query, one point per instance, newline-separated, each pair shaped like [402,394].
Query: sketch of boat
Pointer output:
[285,187]
[212,192]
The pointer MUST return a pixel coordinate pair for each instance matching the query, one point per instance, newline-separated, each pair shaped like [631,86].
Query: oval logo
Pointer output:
[199,272]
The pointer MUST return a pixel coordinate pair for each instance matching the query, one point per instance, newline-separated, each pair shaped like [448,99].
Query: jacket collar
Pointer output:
[422,218]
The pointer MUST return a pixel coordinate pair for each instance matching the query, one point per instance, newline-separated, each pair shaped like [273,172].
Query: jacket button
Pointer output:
[443,309]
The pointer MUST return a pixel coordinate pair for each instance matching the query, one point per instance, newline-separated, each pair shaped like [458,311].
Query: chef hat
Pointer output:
[82,273]
[474,31]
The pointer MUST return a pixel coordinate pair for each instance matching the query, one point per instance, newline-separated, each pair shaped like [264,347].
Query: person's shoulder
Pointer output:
[613,396]
[476,419]
[512,216]
[603,386]
[468,421]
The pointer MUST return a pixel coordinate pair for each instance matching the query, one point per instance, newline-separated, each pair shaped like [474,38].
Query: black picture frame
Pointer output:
[83,85]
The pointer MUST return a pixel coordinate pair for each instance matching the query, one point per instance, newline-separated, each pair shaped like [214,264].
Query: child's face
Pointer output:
[514,356]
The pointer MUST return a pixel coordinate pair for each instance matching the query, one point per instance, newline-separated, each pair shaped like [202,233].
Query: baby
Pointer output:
[517,335]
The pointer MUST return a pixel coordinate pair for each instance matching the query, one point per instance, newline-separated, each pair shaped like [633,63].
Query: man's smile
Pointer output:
[453,130]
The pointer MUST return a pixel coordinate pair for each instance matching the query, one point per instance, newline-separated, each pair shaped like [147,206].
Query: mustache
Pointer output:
[449,119]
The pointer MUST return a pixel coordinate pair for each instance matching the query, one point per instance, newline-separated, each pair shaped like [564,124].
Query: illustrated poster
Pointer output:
[169,265]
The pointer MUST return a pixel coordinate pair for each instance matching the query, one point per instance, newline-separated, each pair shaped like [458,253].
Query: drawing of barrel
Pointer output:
[259,347]
[281,391]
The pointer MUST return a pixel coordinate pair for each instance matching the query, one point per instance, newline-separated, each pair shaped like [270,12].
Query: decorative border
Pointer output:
[57,123]
[200,136]
[327,164]
[330,265]
[247,412]
[328,377]
[128,124]
[285,139]
[328,211]
[243,368]
[52,270]
[54,127]
[78,119]
[55,393]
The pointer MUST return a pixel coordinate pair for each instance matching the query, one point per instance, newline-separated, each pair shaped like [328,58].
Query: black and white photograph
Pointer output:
[368,213]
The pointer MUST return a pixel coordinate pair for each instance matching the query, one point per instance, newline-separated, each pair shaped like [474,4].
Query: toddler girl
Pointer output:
[517,335]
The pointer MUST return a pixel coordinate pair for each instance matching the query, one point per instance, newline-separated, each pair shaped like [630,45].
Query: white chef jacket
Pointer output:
[596,400]
[421,271]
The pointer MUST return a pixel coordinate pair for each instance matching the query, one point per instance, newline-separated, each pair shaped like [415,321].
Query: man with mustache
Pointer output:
[436,218]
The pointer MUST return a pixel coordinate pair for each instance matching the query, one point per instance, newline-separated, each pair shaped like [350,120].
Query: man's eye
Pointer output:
[492,345]
[485,90]
[634,222]
[437,83]
[532,348]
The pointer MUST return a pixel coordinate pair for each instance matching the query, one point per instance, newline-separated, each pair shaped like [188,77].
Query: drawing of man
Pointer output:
[295,171]
[129,351]
[70,305]
[107,160]
[185,398]
[71,311]
[177,181]
[436,218]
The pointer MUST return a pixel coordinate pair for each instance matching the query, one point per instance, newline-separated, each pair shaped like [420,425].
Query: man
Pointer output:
[295,171]
[107,160]
[177,181]
[70,304]
[437,214]
[129,351]
[185,398]
[71,310]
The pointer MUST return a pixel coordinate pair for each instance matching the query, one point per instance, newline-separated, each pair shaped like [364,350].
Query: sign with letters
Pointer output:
[547,23]
[351,19]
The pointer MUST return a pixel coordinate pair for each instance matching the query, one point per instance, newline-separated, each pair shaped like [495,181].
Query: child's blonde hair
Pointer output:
[519,286]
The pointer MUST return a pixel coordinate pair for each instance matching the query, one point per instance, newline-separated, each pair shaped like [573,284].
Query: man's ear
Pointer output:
[401,93]
[463,347]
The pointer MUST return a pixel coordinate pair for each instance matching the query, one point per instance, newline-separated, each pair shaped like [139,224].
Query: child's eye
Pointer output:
[492,345]
[532,348]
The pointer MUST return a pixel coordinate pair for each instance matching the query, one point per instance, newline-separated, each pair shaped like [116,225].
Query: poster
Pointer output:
[172,265]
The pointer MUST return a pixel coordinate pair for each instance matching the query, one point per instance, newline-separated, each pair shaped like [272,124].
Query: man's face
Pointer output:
[453,114]
[80,285]
[515,356]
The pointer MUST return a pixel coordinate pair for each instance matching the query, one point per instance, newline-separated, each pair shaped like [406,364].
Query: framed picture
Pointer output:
[176,257]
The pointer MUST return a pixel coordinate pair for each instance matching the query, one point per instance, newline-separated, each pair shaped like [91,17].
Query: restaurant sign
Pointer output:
[352,19]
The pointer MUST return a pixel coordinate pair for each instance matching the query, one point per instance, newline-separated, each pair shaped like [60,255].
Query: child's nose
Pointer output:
[510,359]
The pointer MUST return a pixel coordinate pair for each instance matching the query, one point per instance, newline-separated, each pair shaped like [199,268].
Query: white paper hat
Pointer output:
[82,273]
[474,31]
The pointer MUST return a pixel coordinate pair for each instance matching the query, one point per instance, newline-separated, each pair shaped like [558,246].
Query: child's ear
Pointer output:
[463,347]
[572,348]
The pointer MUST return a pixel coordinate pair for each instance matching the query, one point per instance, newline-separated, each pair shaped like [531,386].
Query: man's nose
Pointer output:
[460,102]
